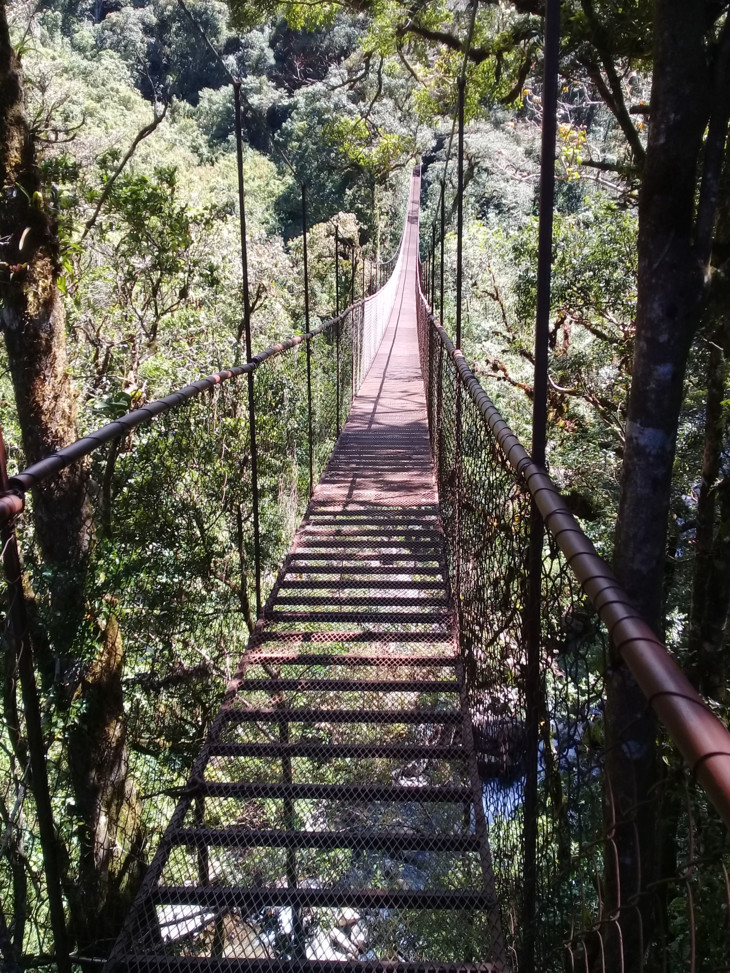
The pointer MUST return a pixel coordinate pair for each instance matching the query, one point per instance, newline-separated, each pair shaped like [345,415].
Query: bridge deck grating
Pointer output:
[335,818]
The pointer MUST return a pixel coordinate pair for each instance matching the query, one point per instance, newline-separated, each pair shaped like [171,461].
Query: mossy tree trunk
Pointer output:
[671,294]
[107,803]
[33,322]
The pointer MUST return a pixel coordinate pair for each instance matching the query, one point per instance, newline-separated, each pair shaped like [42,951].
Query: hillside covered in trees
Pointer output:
[120,281]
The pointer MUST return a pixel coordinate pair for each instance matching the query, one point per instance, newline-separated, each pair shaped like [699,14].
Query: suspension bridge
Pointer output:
[345,740]
[405,773]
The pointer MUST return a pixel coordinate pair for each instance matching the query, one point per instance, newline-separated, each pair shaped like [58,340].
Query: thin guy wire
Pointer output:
[461,80]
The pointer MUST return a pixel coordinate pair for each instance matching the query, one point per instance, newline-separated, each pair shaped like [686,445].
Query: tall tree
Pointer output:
[689,100]
[33,322]
[708,665]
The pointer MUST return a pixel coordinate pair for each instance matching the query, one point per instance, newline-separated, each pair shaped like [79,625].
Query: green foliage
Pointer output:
[592,315]
[300,16]
[355,140]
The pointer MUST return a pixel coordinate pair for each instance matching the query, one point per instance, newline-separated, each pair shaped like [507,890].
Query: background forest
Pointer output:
[130,112]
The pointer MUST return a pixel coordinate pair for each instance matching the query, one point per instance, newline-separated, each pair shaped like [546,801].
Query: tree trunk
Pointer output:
[33,320]
[671,289]
[107,803]
[711,575]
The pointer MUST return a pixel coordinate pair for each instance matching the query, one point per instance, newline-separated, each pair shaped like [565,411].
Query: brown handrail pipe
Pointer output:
[13,502]
[701,738]
[46,468]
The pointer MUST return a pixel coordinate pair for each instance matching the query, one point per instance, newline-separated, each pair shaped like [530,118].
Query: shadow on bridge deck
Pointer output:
[334,819]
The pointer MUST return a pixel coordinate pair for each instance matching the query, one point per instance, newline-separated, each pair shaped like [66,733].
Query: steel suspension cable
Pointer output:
[247,332]
[309,350]
[234,80]
[458,119]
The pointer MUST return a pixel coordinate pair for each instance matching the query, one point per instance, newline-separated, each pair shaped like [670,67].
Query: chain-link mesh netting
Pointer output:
[129,682]
[486,543]
[376,313]
[366,796]
[598,827]
[333,815]
[133,647]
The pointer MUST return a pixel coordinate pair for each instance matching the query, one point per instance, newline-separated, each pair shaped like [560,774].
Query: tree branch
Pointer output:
[141,135]
[475,54]
[406,64]
[378,90]
[147,680]
[519,84]
[502,374]
[611,92]
[348,82]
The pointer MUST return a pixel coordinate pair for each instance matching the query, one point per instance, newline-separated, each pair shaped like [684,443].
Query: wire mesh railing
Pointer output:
[333,815]
[608,852]
[375,311]
[115,664]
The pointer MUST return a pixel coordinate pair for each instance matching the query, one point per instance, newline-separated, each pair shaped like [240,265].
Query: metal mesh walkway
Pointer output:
[335,818]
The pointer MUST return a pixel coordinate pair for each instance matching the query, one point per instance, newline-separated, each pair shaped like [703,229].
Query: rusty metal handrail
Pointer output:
[701,738]
[12,502]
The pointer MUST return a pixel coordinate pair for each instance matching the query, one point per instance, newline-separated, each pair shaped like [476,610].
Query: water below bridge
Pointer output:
[334,819]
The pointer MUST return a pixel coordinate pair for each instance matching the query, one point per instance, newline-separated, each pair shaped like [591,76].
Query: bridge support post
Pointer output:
[247,334]
[430,324]
[21,663]
[440,415]
[460,212]
[533,687]
[355,323]
[309,343]
[433,263]
[532,696]
[458,478]
[338,329]
[441,265]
